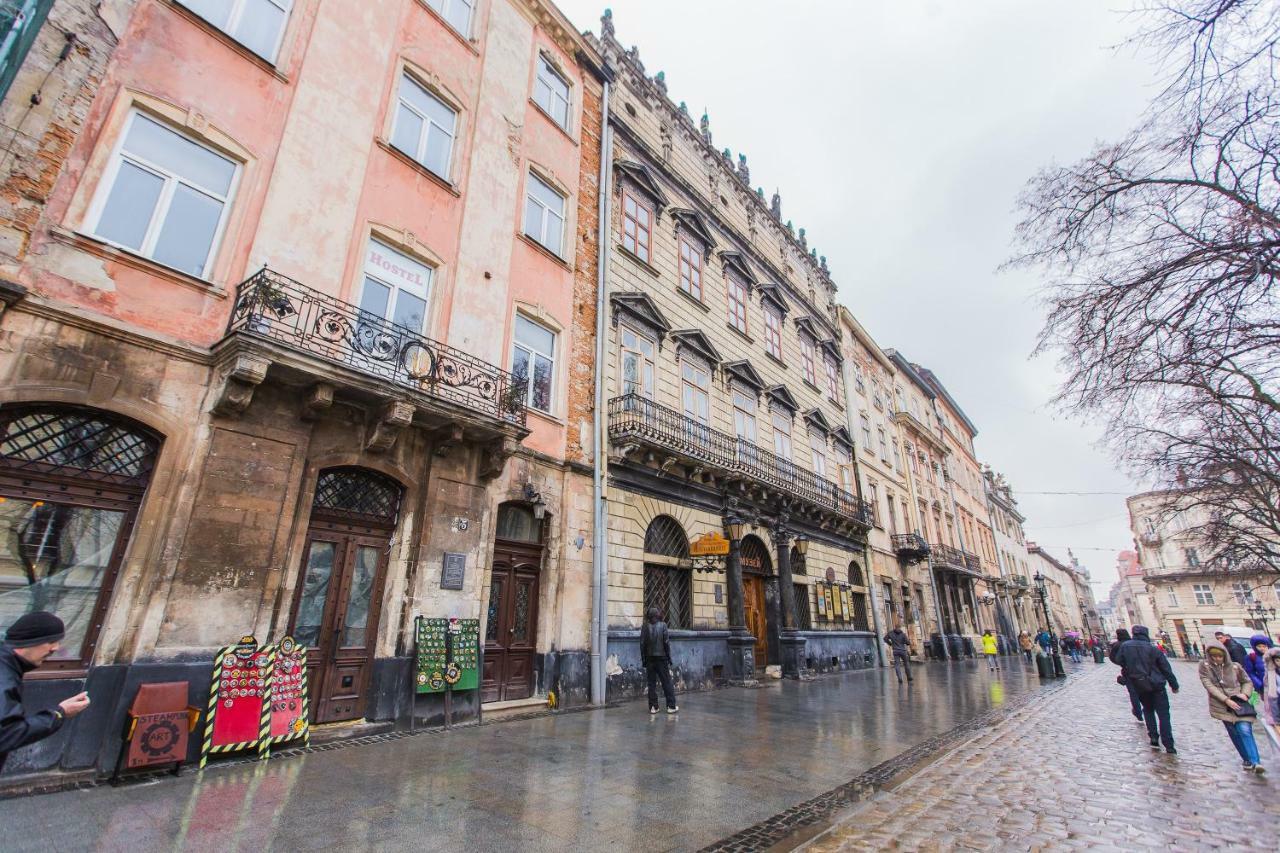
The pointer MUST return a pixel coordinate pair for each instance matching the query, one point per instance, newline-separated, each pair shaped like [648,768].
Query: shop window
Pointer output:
[860,611]
[71,481]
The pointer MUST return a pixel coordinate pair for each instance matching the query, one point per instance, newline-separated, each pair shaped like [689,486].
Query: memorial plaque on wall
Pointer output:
[453,572]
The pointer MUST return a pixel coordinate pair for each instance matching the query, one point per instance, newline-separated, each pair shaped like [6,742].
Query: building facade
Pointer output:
[289,328]
[725,412]
[1011,552]
[1065,592]
[1190,588]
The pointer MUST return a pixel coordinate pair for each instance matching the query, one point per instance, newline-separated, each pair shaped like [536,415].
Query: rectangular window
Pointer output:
[744,416]
[165,197]
[897,457]
[844,466]
[424,127]
[876,399]
[782,435]
[818,452]
[637,364]
[1243,594]
[551,92]
[773,332]
[256,24]
[892,516]
[456,12]
[1173,597]
[737,292]
[544,214]
[1193,558]
[884,445]
[858,382]
[873,493]
[696,391]
[807,354]
[395,287]
[866,431]
[691,268]
[833,378]
[637,227]
[533,362]
[1204,595]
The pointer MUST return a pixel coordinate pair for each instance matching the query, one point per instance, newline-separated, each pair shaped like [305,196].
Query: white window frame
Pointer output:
[236,15]
[429,126]
[441,8]
[395,286]
[1204,594]
[783,446]
[691,263]
[745,408]
[156,224]
[833,377]
[645,360]
[735,292]
[533,353]
[541,237]
[818,452]
[1173,596]
[773,331]
[808,349]
[545,66]
[696,386]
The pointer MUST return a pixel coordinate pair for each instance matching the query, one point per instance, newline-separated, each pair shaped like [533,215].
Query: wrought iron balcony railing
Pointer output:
[277,308]
[955,558]
[1151,537]
[910,543]
[637,417]
[973,562]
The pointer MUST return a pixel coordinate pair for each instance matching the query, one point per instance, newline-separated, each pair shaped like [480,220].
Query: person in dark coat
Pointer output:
[655,652]
[1234,649]
[900,648]
[27,644]
[1150,672]
[1135,704]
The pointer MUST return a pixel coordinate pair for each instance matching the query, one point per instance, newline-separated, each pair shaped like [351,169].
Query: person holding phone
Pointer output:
[28,643]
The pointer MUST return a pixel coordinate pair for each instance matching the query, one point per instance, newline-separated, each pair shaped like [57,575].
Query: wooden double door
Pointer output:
[335,615]
[511,634]
[753,600]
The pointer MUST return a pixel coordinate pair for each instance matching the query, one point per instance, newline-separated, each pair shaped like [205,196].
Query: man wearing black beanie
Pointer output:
[27,644]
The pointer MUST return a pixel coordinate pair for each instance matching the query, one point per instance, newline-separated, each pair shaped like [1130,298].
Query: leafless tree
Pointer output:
[1161,254]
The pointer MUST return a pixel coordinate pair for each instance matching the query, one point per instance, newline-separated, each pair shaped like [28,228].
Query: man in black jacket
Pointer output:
[27,644]
[1234,649]
[900,647]
[655,654]
[1148,670]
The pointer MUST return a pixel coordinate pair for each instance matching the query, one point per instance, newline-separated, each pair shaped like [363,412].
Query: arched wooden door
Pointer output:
[339,596]
[756,566]
[511,623]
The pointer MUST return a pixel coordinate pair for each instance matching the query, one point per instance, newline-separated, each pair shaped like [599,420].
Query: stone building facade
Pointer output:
[726,412]
[290,323]
[1011,553]
[1067,603]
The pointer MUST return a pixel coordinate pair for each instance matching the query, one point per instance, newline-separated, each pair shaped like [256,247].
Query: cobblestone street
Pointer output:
[1072,770]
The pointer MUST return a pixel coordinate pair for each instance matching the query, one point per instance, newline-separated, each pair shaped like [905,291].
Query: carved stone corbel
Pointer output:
[319,399]
[447,438]
[238,383]
[393,418]
[494,456]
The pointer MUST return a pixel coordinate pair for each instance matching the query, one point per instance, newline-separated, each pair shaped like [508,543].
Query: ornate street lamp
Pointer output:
[1259,613]
[802,544]
[737,528]
[1043,592]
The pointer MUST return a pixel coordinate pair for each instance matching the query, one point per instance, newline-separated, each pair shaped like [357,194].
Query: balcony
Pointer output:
[1151,538]
[314,336]
[911,547]
[954,559]
[635,420]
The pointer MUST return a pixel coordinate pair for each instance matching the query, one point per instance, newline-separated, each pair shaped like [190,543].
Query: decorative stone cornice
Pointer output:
[697,342]
[641,308]
[746,374]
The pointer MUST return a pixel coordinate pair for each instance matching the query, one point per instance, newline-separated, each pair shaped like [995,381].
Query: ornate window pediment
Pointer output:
[641,308]
[641,177]
[696,341]
[815,418]
[832,349]
[746,374]
[781,396]
[841,436]
[693,222]
[805,324]
[773,294]
[736,262]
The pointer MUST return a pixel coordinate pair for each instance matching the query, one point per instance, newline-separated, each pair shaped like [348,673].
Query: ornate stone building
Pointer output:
[725,411]
[1016,606]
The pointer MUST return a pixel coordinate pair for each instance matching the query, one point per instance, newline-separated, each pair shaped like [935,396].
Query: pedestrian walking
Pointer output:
[990,650]
[1254,665]
[1135,703]
[655,652]
[900,649]
[1044,641]
[1271,695]
[28,643]
[1229,689]
[1234,649]
[1027,645]
[1150,672]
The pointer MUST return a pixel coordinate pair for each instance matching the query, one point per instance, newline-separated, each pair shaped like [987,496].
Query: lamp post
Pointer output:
[1058,671]
[742,662]
[1259,613]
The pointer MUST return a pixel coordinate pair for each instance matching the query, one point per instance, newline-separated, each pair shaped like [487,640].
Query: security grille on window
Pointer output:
[637,226]
[424,127]
[1204,594]
[798,565]
[804,610]
[256,24]
[456,12]
[667,585]
[544,214]
[855,574]
[164,197]
[551,92]
[533,362]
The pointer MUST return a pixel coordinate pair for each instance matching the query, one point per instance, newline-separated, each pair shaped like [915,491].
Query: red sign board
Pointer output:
[237,697]
[289,692]
[158,739]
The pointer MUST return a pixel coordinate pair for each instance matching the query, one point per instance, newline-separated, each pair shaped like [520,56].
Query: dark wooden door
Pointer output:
[753,603]
[336,617]
[510,641]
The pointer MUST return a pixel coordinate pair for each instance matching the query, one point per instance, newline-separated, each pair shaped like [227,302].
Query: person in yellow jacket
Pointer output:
[991,650]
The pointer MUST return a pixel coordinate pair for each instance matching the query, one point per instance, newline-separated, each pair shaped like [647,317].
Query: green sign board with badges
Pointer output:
[448,654]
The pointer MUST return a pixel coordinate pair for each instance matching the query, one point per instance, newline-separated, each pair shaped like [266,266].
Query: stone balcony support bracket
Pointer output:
[391,420]
[244,374]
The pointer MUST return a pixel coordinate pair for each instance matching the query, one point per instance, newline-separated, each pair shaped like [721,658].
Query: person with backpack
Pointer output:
[1135,704]
[1229,690]
[655,654]
[1254,663]
[1150,672]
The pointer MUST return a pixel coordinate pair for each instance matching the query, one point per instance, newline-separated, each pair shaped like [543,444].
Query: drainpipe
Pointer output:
[599,555]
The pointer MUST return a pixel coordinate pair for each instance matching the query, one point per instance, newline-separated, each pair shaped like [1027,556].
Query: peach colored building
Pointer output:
[289,333]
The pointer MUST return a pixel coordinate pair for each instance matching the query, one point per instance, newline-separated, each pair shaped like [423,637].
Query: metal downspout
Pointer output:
[599,546]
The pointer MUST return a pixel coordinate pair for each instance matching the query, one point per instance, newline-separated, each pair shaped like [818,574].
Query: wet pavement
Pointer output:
[1073,771]
[593,780]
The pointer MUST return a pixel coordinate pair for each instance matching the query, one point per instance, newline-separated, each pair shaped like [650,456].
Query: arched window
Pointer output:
[855,574]
[71,480]
[798,566]
[517,523]
[667,582]
[357,494]
[755,557]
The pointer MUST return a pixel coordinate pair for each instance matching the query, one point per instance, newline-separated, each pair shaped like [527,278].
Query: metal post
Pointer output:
[792,644]
[742,663]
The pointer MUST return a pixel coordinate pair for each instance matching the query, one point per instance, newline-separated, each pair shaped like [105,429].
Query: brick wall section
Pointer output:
[38,137]
[586,271]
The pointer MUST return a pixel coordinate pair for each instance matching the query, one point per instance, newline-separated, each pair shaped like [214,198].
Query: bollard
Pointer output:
[1097,655]
[1044,666]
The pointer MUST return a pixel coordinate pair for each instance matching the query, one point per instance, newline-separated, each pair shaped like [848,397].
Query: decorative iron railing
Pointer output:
[272,306]
[949,557]
[910,543]
[634,416]
[972,562]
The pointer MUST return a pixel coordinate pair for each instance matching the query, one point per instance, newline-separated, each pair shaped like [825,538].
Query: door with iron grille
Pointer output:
[511,623]
[339,594]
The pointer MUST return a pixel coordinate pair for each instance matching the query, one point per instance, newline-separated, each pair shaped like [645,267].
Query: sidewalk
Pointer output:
[1074,772]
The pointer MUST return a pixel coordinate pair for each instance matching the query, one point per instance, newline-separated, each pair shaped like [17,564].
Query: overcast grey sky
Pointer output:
[900,135]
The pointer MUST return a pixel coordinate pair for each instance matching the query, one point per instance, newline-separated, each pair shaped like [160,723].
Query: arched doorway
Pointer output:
[71,482]
[667,583]
[757,584]
[511,621]
[339,596]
